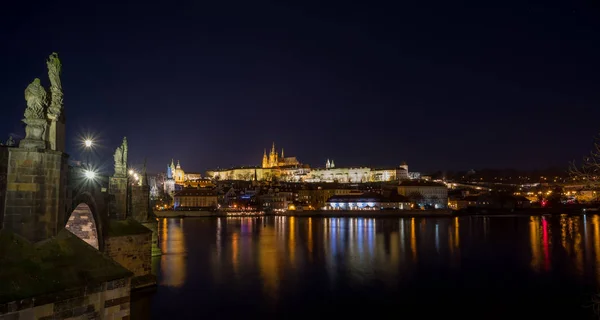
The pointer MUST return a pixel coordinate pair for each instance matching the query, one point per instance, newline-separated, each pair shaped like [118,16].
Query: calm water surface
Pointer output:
[476,267]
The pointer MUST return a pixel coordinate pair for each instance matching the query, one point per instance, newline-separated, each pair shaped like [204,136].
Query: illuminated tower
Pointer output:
[179,174]
[273,157]
[265,160]
[172,167]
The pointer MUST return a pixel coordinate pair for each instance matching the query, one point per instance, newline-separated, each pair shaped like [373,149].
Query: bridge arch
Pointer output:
[85,221]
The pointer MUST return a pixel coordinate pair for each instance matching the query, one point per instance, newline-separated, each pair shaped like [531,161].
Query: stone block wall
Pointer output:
[153,225]
[140,202]
[109,300]
[36,189]
[3,171]
[134,252]
[81,223]
[117,187]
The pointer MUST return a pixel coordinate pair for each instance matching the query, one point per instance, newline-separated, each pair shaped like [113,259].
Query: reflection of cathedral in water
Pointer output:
[172,244]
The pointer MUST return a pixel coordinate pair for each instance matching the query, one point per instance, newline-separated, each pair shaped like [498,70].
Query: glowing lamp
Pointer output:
[90,174]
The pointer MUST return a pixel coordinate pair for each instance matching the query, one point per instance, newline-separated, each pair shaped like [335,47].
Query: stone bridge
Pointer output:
[72,245]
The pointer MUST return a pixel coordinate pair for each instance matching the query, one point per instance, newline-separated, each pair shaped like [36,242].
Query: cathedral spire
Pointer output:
[273,148]
[282,153]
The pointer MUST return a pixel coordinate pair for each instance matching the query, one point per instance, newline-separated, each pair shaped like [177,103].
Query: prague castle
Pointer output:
[275,161]
[276,166]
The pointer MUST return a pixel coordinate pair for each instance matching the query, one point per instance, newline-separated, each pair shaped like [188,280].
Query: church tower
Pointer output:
[327,164]
[172,167]
[273,157]
[265,160]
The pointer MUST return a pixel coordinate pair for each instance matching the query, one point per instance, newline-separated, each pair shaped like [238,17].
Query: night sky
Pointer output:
[444,85]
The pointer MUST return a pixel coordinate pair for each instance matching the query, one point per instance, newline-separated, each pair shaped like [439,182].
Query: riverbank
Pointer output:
[367,213]
[312,213]
[190,214]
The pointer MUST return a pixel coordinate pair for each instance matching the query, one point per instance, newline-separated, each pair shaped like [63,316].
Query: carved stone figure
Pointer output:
[35,95]
[56,133]
[56,101]
[10,142]
[35,117]
[125,149]
[121,159]
[119,169]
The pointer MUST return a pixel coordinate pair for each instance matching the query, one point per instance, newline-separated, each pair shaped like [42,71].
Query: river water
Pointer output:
[473,267]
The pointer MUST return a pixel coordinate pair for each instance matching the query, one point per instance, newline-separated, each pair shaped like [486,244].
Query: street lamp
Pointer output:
[89,174]
[88,143]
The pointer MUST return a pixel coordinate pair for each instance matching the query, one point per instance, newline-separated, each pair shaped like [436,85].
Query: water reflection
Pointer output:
[172,244]
[266,258]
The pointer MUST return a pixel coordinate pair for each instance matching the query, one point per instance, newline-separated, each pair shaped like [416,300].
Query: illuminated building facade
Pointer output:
[425,193]
[367,201]
[195,199]
[276,166]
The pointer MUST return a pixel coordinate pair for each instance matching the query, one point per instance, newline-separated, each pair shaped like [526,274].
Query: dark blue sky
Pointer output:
[442,85]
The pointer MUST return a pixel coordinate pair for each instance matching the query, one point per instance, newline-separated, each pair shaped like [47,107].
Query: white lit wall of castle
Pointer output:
[275,166]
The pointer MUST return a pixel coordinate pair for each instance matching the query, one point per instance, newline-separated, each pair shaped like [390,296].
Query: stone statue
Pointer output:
[35,116]
[54,68]
[121,159]
[35,95]
[56,100]
[10,142]
[125,149]
[56,134]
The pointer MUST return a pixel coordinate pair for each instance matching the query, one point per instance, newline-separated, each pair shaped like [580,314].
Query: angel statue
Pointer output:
[35,95]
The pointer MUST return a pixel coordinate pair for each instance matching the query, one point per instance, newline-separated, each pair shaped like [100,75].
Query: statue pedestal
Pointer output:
[117,186]
[56,136]
[31,144]
[35,137]
[36,189]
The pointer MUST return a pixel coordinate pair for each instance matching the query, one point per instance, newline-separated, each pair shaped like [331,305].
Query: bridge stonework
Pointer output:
[55,223]
[117,186]
[36,193]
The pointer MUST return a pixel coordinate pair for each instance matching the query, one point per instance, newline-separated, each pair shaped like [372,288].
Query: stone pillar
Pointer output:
[140,202]
[142,212]
[36,189]
[57,135]
[153,225]
[117,186]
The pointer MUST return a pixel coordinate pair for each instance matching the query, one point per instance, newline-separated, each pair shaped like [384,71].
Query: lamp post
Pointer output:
[88,145]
